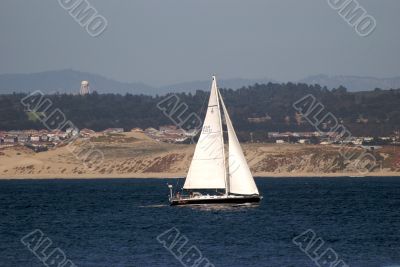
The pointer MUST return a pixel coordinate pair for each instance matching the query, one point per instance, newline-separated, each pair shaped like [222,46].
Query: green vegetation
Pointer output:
[34,116]
[370,113]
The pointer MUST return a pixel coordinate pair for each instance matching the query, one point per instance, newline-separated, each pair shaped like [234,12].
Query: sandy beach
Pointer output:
[134,155]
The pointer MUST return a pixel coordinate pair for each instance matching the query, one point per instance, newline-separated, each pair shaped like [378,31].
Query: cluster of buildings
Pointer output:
[38,140]
[32,136]
[41,140]
[170,134]
[326,138]
[46,137]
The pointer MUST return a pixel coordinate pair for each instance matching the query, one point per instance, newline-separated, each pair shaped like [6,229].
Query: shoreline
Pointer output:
[177,176]
[134,155]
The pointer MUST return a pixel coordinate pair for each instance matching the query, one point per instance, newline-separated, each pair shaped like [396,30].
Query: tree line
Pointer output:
[257,109]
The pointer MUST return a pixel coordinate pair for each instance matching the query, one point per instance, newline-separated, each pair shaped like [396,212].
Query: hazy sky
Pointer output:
[167,41]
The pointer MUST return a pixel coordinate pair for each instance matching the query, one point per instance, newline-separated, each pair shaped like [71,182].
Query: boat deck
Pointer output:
[212,199]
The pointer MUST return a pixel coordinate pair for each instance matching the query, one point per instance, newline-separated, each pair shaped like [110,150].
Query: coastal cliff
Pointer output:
[132,155]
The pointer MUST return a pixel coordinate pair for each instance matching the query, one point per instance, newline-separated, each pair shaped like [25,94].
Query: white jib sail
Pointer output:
[207,169]
[241,180]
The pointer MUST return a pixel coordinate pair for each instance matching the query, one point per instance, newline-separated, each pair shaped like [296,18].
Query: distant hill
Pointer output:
[204,85]
[353,83]
[68,81]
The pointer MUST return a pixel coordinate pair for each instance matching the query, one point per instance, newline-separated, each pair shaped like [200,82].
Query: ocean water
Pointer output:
[116,222]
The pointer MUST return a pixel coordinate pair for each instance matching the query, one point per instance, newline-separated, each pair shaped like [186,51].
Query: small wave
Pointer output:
[154,206]
[222,207]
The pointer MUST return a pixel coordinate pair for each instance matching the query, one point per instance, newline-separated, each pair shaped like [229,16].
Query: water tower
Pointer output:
[85,89]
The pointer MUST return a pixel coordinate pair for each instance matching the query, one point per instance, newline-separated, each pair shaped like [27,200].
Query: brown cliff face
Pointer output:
[136,155]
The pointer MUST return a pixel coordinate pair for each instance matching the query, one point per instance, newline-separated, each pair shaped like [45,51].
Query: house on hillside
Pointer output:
[167,128]
[30,132]
[35,138]
[87,132]
[72,131]
[259,119]
[137,130]
[151,130]
[44,138]
[10,139]
[23,139]
[54,138]
[113,130]
[14,133]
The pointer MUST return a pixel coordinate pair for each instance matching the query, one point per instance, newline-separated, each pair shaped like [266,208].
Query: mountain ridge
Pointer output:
[68,81]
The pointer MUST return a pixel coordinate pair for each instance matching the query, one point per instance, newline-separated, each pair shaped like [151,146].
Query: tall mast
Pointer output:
[222,139]
[208,166]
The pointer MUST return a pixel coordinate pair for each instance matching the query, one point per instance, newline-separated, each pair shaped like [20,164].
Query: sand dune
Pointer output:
[135,155]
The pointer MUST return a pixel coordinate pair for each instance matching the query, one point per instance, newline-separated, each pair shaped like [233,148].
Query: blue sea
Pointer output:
[128,222]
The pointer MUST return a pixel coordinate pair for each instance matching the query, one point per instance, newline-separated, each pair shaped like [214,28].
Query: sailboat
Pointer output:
[226,181]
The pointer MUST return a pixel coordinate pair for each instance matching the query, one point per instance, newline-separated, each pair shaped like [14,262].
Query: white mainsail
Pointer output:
[207,169]
[240,179]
